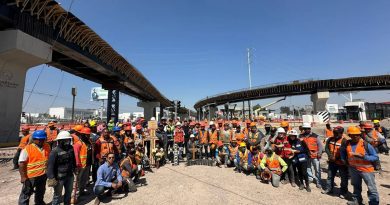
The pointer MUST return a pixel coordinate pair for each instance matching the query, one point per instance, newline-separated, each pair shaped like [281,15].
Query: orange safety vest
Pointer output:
[328,133]
[51,134]
[106,146]
[75,138]
[245,131]
[24,141]
[311,142]
[359,163]
[253,137]
[203,136]
[244,156]
[37,160]
[375,137]
[334,148]
[213,137]
[124,172]
[83,154]
[179,136]
[273,164]
[233,151]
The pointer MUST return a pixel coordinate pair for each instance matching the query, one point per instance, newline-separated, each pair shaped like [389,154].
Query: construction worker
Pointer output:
[332,149]
[192,147]
[32,168]
[104,145]
[257,156]
[328,132]
[283,149]
[233,149]
[129,169]
[51,132]
[285,125]
[254,136]
[314,144]
[373,137]
[169,129]
[300,159]
[127,136]
[110,125]
[83,151]
[24,141]
[360,156]
[162,139]
[243,159]
[267,128]
[204,141]
[247,128]
[178,137]
[139,135]
[139,158]
[108,177]
[274,165]
[76,134]
[60,168]
[213,139]
[384,148]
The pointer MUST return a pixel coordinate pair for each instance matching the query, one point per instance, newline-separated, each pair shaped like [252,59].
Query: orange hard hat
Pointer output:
[85,130]
[138,127]
[219,144]
[367,126]
[234,121]
[78,128]
[239,136]
[284,124]
[128,128]
[192,123]
[352,130]
[248,121]
[202,124]
[253,124]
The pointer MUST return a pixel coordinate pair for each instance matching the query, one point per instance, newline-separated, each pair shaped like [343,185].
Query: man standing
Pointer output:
[213,139]
[360,156]
[203,141]
[162,138]
[51,133]
[32,168]
[254,136]
[332,149]
[108,177]
[178,137]
[61,166]
[24,141]
[314,144]
[104,145]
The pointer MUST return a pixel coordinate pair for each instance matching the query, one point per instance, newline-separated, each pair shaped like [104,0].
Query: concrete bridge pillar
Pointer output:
[319,100]
[149,108]
[18,52]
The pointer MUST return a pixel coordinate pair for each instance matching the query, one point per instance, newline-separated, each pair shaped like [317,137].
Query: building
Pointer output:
[66,113]
[366,111]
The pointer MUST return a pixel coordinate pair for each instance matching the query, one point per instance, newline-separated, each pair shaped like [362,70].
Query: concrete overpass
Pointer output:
[34,32]
[318,89]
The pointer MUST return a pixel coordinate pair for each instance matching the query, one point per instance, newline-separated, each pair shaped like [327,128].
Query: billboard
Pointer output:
[98,93]
[332,108]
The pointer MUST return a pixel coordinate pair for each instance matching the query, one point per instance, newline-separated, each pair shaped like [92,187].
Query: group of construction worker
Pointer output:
[115,156]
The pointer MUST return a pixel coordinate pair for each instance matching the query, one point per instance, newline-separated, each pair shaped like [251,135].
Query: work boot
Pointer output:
[327,191]
[308,189]
[293,184]
[283,181]
[301,187]
[97,201]
[354,201]
[319,186]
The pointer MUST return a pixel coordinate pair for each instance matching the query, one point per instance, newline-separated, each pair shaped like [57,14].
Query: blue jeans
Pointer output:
[67,184]
[317,170]
[332,170]
[369,179]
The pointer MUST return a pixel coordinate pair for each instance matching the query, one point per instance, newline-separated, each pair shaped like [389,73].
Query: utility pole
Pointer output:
[250,79]
[175,102]
[74,93]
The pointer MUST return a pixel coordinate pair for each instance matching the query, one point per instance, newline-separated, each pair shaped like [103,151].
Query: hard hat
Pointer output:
[77,128]
[163,118]
[120,125]
[339,129]
[284,124]
[192,123]
[248,121]
[253,124]
[39,135]
[376,121]
[63,135]
[92,123]
[111,120]
[192,136]
[138,127]
[152,118]
[281,130]
[367,126]
[178,124]
[51,123]
[202,124]
[128,128]
[306,125]
[25,128]
[234,121]
[85,131]
[292,132]
[352,130]
[116,129]
[242,144]
[219,144]
[211,123]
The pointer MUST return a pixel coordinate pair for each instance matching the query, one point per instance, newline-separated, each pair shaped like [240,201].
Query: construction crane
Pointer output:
[267,105]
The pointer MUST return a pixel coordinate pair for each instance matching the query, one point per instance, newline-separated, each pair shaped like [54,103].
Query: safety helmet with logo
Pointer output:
[116,129]
[352,130]
[306,125]
[292,132]
[85,131]
[281,130]
[77,128]
[63,135]
[39,135]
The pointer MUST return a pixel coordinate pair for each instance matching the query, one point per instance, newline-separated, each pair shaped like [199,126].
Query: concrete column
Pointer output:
[319,100]
[149,108]
[18,52]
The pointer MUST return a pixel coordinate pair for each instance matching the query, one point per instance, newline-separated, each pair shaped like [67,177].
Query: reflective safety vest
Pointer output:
[75,138]
[356,162]
[257,159]
[245,131]
[203,136]
[273,164]
[311,142]
[51,134]
[213,137]
[328,133]
[225,136]
[243,156]
[106,146]
[24,141]
[179,136]
[124,172]
[334,148]
[37,160]
[233,151]
[253,137]
[375,138]
[83,154]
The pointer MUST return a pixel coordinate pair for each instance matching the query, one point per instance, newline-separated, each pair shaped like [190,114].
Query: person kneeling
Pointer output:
[272,167]
[108,178]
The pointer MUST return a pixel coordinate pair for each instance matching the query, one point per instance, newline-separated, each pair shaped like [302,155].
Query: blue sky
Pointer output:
[192,49]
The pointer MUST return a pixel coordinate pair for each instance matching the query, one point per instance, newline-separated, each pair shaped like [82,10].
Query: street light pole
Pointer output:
[74,93]
[250,80]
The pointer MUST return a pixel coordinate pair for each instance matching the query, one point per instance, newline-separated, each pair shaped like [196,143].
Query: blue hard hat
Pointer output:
[39,134]
[116,129]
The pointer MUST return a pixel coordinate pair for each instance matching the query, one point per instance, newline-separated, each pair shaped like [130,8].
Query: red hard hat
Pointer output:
[138,127]
[128,128]
[219,144]
[85,130]
[367,126]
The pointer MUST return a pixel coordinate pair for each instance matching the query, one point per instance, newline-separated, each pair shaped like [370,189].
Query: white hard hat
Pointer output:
[192,136]
[211,123]
[306,125]
[63,135]
[280,130]
[292,132]
[152,118]
[178,124]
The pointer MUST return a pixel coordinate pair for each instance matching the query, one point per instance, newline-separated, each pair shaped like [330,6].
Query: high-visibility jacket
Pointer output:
[75,138]
[356,162]
[51,134]
[245,131]
[284,149]
[83,154]
[256,159]
[233,151]
[37,160]
[273,164]
[328,133]
[203,135]
[311,142]
[24,141]
[374,136]
[253,138]
[213,137]
[243,156]
[107,146]
[334,149]
[124,172]
[179,136]
[225,136]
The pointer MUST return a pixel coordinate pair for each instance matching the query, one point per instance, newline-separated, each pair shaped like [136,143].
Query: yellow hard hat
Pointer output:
[376,121]
[92,123]
[242,144]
